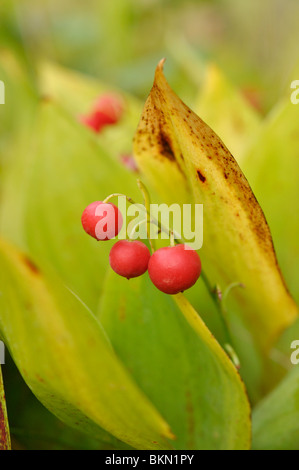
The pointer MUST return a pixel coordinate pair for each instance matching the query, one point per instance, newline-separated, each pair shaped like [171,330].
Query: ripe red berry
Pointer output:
[102,221]
[111,105]
[129,258]
[96,120]
[107,110]
[174,269]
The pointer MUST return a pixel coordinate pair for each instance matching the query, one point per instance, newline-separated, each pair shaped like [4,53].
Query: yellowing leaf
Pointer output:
[185,160]
[4,429]
[67,360]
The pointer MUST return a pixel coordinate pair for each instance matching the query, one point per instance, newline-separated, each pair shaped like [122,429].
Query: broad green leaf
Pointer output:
[4,427]
[279,362]
[33,427]
[276,418]
[20,103]
[227,112]
[66,359]
[178,364]
[272,166]
[60,169]
[185,160]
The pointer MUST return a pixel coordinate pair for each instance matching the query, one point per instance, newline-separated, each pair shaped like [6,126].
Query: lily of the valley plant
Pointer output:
[126,364]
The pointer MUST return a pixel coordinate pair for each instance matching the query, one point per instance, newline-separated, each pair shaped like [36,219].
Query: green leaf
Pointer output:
[20,103]
[177,363]
[58,171]
[227,112]
[33,427]
[66,359]
[4,427]
[272,166]
[276,418]
[185,161]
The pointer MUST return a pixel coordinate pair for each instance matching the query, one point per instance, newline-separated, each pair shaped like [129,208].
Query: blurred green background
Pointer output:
[120,41]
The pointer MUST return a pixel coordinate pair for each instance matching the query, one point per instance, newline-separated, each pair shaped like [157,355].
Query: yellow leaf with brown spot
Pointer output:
[184,160]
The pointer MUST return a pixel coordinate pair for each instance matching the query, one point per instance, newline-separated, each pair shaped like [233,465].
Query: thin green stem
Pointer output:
[111,196]
[229,344]
[232,354]
[131,234]
[172,239]
[147,205]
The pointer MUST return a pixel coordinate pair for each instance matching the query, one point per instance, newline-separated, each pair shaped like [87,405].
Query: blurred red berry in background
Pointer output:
[107,110]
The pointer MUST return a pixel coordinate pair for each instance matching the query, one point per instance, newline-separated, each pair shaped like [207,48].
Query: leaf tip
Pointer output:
[160,65]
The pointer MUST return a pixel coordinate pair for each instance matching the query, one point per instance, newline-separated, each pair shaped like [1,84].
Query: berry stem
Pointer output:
[131,234]
[172,239]
[147,204]
[111,196]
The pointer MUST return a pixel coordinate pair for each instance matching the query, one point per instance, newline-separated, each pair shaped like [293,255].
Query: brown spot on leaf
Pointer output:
[165,147]
[32,266]
[201,176]
[40,379]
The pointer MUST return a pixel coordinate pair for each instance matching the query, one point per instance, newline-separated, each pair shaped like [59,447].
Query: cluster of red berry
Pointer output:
[171,269]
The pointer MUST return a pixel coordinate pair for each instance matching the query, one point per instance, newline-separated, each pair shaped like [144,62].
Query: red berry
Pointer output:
[174,269]
[129,258]
[107,110]
[102,221]
[111,105]
[96,120]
